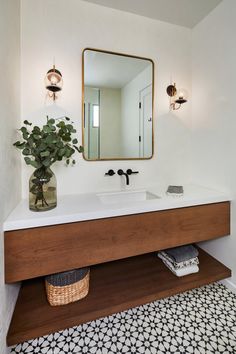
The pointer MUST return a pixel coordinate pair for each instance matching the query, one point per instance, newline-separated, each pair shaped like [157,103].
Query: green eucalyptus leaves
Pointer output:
[53,142]
[41,148]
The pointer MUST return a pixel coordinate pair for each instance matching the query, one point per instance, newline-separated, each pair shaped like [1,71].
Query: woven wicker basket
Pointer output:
[67,287]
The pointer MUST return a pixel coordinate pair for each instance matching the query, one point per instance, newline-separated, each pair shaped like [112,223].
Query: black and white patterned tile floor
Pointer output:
[200,321]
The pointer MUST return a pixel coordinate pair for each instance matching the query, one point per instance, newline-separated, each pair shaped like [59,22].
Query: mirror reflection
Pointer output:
[117,106]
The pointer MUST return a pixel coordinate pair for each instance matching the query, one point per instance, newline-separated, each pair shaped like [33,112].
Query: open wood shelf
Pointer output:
[114,287]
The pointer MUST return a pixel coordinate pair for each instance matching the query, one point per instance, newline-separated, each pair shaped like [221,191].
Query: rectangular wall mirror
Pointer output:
[117,106]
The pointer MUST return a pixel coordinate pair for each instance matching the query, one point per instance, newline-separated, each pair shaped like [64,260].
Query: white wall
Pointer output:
[214,118]
[110,129]
[10,174]
[91,134]
[77,25]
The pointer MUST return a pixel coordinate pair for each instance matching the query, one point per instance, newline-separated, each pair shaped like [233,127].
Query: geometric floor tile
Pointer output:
[200,321]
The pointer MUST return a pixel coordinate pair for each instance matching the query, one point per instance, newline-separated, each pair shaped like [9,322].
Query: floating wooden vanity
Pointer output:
[125,272]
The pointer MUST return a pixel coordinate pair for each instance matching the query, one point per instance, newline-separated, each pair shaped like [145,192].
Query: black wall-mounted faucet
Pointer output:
[122,173]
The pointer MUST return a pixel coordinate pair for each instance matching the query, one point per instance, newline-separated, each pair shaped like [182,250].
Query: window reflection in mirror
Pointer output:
[118,106]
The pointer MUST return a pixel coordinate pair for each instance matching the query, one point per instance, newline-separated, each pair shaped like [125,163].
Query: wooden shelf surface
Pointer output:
[114,287]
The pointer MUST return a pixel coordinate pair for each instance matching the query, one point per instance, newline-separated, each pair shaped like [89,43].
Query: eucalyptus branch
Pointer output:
[42,147]
[55,141]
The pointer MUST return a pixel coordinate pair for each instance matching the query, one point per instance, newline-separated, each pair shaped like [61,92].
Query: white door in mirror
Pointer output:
[145,122]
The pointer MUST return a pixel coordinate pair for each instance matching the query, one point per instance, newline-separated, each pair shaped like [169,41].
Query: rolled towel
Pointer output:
[164,256]
[183,271]
[182,253]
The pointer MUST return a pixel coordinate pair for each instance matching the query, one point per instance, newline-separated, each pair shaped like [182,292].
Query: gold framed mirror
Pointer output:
[117,106]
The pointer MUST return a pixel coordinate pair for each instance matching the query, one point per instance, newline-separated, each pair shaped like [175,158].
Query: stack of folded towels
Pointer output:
[181,260]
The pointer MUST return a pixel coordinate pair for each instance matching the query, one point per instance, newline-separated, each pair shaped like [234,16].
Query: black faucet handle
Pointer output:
[110,173]
[120,172]
[130,172]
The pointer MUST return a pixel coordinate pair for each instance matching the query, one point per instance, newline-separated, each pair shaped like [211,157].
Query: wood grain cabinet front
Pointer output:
[35,252]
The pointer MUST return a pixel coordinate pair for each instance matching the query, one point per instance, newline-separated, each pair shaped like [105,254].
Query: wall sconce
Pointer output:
[53,82]
[177,97]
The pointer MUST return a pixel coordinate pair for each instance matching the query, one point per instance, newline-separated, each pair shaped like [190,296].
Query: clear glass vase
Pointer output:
[42,190]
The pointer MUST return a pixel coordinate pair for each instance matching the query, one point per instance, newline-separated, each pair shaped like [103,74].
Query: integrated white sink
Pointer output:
[126,196]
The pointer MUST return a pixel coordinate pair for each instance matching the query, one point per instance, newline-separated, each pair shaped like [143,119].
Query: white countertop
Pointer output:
[81,207]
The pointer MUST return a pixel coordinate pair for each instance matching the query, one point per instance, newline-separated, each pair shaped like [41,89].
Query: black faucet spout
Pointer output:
[127,178]
[122,173]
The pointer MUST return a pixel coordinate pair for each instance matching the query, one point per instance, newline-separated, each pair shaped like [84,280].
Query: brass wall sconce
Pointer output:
[177,97]
[53,82]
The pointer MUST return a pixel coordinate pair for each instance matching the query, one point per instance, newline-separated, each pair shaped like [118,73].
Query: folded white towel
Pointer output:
[183,271]
[193,261]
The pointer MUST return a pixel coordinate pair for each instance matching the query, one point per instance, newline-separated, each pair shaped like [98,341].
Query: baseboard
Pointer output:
[229,284]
